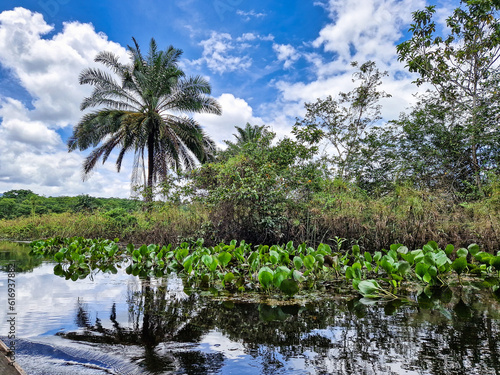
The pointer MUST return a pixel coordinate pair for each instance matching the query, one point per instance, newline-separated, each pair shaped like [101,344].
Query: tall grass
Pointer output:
[407,216]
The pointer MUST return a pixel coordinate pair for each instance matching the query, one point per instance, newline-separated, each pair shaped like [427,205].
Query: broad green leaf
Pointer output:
[187,263]
[483,257]
[275,257]
[368,287]
[432,271]
[403,267]
[395,247]
[228,277]
[297,276]
[297,262]
[207,260]
[224,258]
[421,269]
[309,261]
[279,277]
[473,249]
[495,262]
[449,249]
[459,265]
[402,250]
[289,287]
[434,245]
[427,278]
[368,257]
[349,273]
[58,256]
[462,252]
[266,276]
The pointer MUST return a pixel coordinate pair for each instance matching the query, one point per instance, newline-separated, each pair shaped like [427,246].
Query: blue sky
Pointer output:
[264,59]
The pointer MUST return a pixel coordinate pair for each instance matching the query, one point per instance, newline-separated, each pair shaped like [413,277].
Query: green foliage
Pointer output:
[143,99]
[285,268]
[462,68]
[251,193]
[343,122]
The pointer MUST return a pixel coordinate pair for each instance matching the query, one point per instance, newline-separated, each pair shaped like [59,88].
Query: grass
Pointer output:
[404,216]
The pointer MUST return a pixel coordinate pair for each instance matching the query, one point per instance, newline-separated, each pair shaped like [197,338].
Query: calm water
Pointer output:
[118,324]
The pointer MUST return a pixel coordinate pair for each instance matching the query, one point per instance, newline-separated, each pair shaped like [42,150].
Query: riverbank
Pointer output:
[410,217]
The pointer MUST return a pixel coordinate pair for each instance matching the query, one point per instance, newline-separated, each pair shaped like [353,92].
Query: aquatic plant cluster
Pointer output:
[286,268]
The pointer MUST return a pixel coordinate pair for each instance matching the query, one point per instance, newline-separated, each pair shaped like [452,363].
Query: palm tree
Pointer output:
[145,110]
[248,134]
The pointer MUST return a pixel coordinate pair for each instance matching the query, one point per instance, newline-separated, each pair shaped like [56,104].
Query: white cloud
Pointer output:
[235,112]
[247,16]
[218,56]
[224,54]
[286,53]
[362,30]
[48,68]
[32,154]
[359,30]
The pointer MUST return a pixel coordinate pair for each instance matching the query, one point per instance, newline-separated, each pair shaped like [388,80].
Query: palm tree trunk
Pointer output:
[151,153]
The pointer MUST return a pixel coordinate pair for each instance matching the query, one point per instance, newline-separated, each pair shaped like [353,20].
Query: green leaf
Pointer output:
[228,277]
[459,265]
[58,257]
[136,256]
[355,250]
[279,277]
[224,258]
[309,261]
[449,249]
[462,252]
[289,287]
[421,269]
[297,262]
[207,260]
[297,276]
[265,276]
[368,257]
[495,262]
[368,287]
[473,249]
[402,250]
[427,278]
[403,268]
[275,257]
[483,257]
[58,270]
[349,273]
[187,263]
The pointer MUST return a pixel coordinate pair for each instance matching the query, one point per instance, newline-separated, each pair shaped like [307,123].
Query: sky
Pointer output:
[264,60]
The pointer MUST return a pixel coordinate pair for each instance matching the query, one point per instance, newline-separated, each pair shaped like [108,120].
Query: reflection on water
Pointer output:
[118,324]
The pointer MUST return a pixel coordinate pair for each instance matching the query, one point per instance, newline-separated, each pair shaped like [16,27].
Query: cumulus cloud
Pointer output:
[363,30]
[235,112]
[218,54]
[224,54]
[32,153]
[286,53]
[359,31]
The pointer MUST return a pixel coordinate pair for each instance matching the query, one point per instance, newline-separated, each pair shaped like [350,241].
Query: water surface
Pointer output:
[119,324]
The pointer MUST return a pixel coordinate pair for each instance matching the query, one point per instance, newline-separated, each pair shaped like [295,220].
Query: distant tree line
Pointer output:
[19,203]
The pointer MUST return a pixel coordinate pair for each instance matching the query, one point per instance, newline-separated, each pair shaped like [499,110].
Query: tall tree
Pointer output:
[344,121]
[463,67]
[145,104]
[248,134]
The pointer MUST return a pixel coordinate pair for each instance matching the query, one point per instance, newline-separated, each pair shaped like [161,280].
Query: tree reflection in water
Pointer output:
[444,333]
